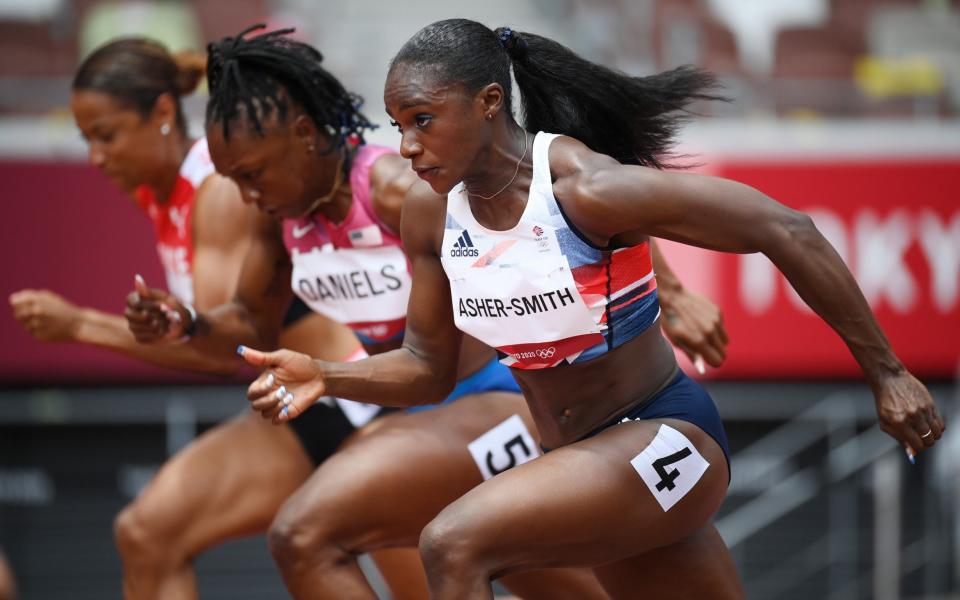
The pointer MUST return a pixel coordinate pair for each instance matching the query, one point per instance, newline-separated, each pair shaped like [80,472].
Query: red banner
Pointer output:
[896,223]
[67,229]
[897,226]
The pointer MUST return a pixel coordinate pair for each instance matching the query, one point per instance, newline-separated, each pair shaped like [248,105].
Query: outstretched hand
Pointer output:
[48,316]
[907,413]
[154,315]
[290,383]
[694,324]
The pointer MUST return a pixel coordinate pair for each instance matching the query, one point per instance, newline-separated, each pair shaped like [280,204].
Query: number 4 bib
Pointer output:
[670,466]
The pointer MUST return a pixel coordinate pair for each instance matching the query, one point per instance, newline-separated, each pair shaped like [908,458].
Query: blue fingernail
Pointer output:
[911,457]
[283,413]
[240,350]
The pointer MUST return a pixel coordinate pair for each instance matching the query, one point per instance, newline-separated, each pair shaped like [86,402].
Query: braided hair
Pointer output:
[632,119]
[252,76]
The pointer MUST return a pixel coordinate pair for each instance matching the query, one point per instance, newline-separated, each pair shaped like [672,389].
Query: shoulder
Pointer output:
[390,178]
[592,187]
[424,214]
[389,169]
[421,200]
[217,194]
[572,162]
[219,213]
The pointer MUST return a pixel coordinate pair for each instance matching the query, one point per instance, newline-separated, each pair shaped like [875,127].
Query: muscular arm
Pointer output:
[424,369]
[607,199]
[221,235]
[610,199]
[241,280]
[690,320]
[111,332]
[255,314]
[390,179]
[222,230]
[49,317]
[667,280]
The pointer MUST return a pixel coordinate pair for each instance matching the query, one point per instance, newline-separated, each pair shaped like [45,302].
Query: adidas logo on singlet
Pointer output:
[464,246]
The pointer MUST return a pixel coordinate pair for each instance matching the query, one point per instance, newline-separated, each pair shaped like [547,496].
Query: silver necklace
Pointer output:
[515,173]
[337,182]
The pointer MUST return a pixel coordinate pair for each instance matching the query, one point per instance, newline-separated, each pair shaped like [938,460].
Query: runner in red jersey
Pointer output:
[173,216]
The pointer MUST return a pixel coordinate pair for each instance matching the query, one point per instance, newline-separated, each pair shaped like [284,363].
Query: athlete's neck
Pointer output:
[497,167]
[339,206]
[174,152]
[338,200]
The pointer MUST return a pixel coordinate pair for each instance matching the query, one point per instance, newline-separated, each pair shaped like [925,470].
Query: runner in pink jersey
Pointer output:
[353,271]
[126,103]
[323,186]
[291,155]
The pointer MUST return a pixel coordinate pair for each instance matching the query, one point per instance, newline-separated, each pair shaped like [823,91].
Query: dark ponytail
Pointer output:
[255,73]
[136,71]
[632,119]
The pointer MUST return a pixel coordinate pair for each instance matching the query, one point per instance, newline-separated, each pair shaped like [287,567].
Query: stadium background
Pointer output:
[847,109]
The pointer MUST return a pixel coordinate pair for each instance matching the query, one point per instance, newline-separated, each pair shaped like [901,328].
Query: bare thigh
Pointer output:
[580,505]
[386,483]
[391,479]
[698,566]
[228,483]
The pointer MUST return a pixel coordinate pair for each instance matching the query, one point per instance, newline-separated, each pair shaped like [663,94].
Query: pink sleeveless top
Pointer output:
[355,271]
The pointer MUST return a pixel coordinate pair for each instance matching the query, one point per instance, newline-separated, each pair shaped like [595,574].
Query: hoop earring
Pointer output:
[165,129]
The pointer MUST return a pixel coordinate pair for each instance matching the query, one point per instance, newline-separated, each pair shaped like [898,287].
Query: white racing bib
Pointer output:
[670,466]
[519,296]
[353,285]
[505,446]
[358,413]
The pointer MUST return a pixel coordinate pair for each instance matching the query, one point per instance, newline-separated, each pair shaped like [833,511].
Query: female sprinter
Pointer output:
[563,289]
[126,101]
[280,126]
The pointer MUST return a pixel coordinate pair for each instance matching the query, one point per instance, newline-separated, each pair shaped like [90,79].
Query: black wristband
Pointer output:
[190,327]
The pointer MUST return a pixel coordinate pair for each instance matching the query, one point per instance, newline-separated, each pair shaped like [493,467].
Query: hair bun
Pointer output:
[513,42]
[191,67]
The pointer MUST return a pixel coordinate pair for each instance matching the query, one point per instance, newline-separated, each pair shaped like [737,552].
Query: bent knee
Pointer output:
[449,544]
[292,538]
[135,536]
